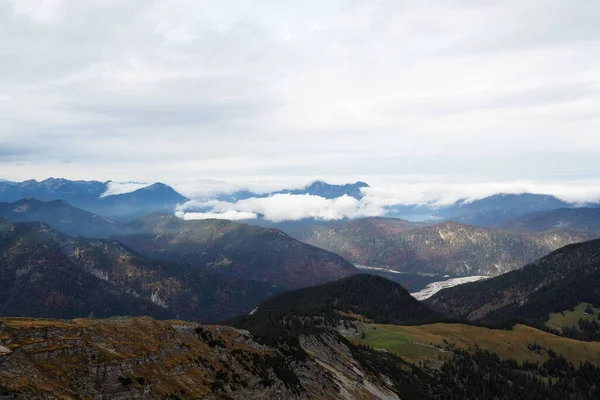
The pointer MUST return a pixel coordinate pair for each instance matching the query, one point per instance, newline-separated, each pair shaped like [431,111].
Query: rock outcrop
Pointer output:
[141,358]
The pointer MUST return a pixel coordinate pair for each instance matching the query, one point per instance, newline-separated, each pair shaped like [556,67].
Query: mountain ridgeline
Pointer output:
[317,188]
[553,284]
[159,265]
[47,274]
[580,219]
[516,204]
[235,249]
[143,358]
[90,196]
[443,249]
[60,215]
[361,296]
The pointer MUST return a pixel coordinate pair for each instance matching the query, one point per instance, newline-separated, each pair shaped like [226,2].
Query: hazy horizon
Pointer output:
[376,201]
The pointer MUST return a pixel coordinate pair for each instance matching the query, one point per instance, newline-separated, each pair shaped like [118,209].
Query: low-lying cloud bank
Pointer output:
[377,200]
[281,207]
[442,194]
[231,215]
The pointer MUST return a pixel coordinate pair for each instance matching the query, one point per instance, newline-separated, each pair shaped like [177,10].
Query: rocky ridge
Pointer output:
[144,358]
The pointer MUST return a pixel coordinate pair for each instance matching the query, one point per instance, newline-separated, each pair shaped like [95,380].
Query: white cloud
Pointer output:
[177,90]
[439,194]
[114,188]
[285,207]
[44,11]
[416,190]
[205,189]
[229,215]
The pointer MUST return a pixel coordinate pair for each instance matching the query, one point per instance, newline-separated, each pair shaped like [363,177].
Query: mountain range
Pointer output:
[516,204]
[555,283]
[316,188]
[234,249]
[446,248]
[488,211]
[93,196]
[159,265]
[415,249]
[89,195]
[361,337]
[60,215]
[44,273]
[530,332]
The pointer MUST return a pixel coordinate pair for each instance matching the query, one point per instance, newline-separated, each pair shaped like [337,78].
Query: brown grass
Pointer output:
[507,344]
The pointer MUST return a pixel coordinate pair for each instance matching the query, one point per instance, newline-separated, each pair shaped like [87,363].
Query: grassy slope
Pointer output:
[414,343]
[570,319]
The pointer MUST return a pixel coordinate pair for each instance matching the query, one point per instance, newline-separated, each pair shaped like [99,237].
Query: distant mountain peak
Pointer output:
[59,214]
[317,188]
[321,183]
[331,191]
[157,186]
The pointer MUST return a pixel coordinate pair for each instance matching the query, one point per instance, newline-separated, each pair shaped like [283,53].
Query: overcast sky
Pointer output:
[486,91]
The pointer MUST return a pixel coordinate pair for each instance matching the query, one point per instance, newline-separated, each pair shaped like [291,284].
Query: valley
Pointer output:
[299,200]
[291,315]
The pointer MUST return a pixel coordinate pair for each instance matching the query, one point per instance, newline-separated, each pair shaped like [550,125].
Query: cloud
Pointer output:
[113,188]
[44,11]
[439,194]
[285,207]
[229,215]
[206,189]
[380,196]
[177,90]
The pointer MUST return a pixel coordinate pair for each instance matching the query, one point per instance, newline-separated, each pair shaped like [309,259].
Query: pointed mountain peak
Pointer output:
[157,186]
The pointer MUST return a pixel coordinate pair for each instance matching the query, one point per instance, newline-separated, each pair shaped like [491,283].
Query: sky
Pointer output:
[270,93]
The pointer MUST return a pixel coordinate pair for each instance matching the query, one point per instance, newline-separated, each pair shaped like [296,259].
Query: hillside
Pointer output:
[360,296]
[144,358]
[581,219]
[235,249]
[60,215]
[414,343]
[573,290]
[47,274]
[554,283]
[446,248]
[493,219]
[466,361]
